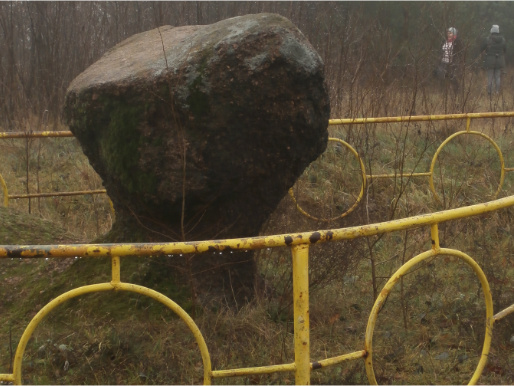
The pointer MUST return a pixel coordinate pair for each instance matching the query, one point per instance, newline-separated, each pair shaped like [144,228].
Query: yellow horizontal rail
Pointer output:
[399,175]
[338,359]
[288,367]
[40,134]
[258,242]
[254,370]
[35,134]
[334,121]
[56,194]
[7,377]
[507,311]
[418,118]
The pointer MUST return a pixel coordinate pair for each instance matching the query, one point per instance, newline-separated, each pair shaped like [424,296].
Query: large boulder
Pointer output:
[199,131]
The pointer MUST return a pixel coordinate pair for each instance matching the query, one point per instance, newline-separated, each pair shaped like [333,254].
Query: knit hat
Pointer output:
[495,29]
[453,30]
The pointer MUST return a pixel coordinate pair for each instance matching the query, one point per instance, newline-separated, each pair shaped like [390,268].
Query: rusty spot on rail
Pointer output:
[315,237]
[14,253]
[288,240]
[18,252]
[316,365]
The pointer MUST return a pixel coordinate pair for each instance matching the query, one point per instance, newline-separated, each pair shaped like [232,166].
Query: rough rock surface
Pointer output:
[199,131]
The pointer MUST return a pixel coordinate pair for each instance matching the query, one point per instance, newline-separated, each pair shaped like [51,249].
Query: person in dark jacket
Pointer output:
[494,48]
[451,60]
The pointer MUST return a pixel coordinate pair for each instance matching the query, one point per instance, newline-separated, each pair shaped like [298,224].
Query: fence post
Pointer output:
[301,314]
[5,192]
[116,270]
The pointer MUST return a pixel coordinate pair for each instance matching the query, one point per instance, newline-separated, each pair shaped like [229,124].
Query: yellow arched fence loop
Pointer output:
[357,201]
[104,287]
[467,132]
[404,269]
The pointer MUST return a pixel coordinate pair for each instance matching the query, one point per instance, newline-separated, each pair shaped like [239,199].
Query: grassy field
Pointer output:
[430,330]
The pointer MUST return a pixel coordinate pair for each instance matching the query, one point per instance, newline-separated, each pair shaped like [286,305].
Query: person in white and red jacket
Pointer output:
[451,58]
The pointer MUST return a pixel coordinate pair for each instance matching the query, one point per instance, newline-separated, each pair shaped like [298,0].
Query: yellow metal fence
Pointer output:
[299,244]
[332,122]
[430,174]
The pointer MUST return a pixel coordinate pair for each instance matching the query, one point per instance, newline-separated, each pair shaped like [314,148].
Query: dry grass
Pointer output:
[56,165]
